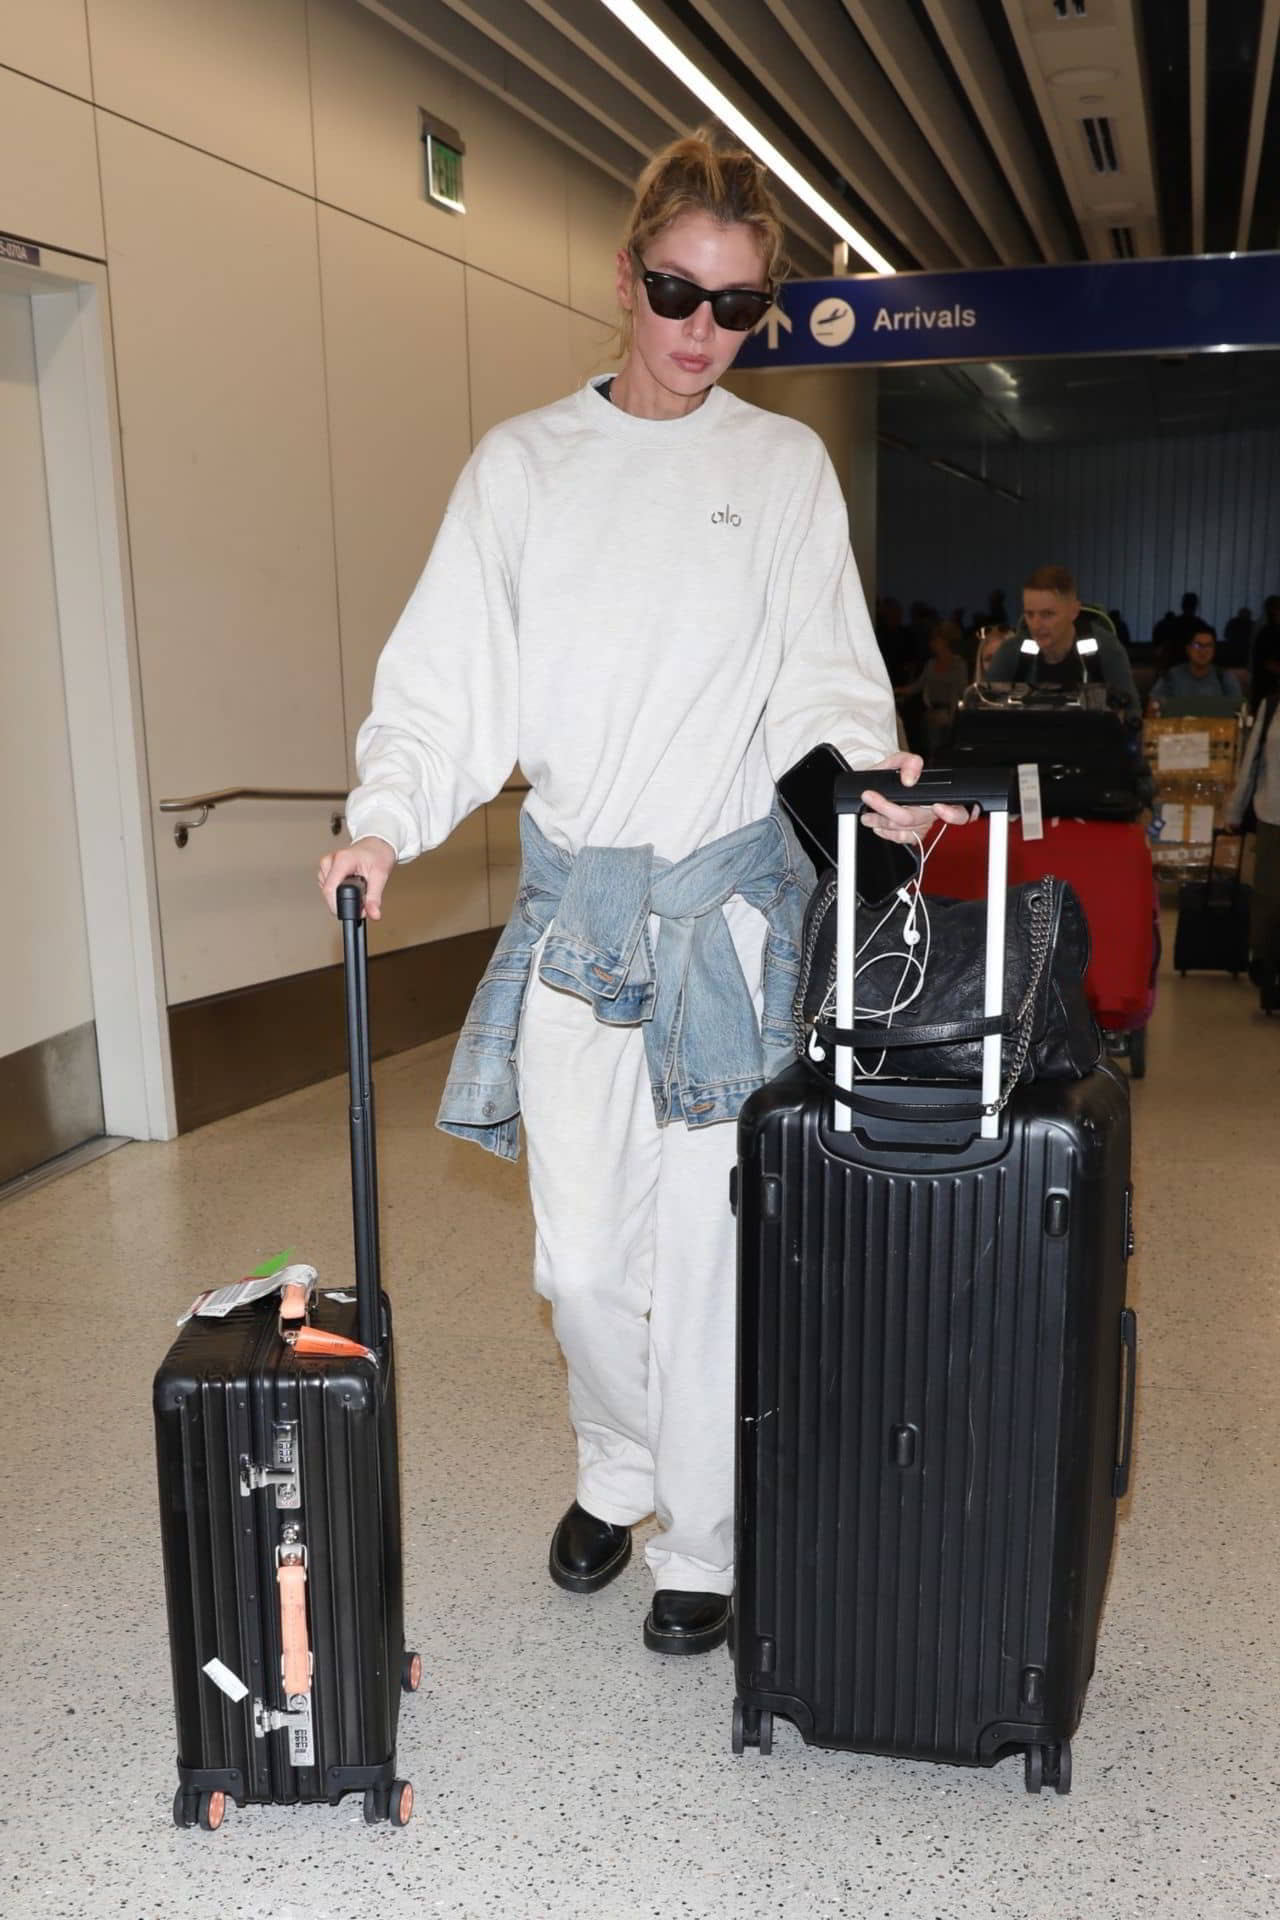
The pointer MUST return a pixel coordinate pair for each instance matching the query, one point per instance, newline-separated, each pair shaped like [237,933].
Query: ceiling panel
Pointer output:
[950,132]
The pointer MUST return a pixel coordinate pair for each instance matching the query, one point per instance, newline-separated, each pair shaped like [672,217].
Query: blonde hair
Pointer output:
[698,174]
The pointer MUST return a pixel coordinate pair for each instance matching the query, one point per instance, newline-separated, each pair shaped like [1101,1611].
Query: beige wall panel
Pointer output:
[48,167]
[598,209]
[230,78]
[591,348]
[44,959]
[395,352]
[244,905]
[216,308]
[47,39]
[368,82]
[516,190]
[519,351]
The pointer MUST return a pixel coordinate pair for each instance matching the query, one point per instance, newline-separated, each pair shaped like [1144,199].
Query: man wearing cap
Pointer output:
[1063,644]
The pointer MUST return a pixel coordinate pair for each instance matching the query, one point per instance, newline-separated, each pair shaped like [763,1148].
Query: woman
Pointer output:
[1255,803]
[941,684]
[644,594]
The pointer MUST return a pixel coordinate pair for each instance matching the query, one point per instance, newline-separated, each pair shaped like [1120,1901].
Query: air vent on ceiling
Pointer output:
[1069,9]
[1102,148]
[1122,243]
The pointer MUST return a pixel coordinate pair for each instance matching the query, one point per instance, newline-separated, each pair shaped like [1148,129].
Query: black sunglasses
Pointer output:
[736,309]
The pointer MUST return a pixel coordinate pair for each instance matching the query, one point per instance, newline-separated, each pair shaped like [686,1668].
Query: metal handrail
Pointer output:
[206,802]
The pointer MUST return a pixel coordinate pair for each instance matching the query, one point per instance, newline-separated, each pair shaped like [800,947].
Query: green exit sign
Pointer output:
[445,149]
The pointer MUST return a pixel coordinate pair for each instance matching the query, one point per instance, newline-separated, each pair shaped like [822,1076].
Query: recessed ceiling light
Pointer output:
[665,49]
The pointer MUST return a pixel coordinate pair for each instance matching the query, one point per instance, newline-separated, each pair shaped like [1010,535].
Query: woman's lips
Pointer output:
[691,362]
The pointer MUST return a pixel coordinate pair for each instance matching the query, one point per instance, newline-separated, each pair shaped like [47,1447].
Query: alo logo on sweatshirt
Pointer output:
[726,517]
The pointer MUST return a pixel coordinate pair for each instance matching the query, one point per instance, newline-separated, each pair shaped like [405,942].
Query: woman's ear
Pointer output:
[625,281]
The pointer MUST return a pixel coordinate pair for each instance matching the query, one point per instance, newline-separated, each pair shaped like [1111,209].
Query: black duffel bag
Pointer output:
[1050,1032]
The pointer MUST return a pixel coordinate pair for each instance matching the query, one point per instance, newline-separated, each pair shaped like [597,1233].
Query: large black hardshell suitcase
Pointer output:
[935,1404]
[272,1459]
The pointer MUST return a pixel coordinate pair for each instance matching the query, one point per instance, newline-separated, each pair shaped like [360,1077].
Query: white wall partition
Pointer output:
[304,351]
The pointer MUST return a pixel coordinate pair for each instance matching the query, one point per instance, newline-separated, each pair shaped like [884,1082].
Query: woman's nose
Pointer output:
[700,322]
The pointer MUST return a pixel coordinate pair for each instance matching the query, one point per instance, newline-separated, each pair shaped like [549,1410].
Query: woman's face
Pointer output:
[688,356]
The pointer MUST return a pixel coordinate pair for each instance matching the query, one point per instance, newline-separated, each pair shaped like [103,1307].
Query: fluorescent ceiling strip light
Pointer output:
[666,50]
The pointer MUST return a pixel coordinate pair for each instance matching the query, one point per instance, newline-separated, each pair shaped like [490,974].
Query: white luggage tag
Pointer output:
[1029,801]
[218,1302]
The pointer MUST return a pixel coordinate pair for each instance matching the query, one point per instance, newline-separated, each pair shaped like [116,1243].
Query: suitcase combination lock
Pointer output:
[282,1474]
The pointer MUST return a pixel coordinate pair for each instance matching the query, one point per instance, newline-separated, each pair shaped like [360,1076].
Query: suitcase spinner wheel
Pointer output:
[752,1727]
[1049,1767]
[1138,1053]
[393,1803]
[192,1809]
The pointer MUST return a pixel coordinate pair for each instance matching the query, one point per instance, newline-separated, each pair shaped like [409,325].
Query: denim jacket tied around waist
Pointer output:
[706,1050]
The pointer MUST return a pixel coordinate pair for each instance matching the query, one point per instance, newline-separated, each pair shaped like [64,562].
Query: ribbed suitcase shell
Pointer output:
[931,1380]
[218,1395]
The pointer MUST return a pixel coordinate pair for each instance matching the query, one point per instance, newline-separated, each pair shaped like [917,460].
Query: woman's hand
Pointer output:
[892,822]
[370,858]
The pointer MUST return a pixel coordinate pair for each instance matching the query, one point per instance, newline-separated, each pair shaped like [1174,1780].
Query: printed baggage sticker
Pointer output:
[1029,801]
[231,1684]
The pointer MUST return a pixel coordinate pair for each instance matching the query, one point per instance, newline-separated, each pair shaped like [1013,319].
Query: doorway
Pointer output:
[83,1033]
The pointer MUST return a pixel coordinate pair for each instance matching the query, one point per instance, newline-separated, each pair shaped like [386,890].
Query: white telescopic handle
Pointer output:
[846,954]
[993,1006]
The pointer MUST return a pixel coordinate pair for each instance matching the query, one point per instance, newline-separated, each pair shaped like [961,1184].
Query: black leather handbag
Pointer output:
[1049,1031]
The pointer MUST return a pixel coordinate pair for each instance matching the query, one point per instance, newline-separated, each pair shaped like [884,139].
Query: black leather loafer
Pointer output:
[586,1553]
[687,1622]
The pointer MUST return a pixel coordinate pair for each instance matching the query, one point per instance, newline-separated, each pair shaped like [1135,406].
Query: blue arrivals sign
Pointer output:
[999,313]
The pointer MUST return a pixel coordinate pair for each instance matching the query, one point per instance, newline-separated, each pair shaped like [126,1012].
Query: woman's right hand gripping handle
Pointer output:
[374,860]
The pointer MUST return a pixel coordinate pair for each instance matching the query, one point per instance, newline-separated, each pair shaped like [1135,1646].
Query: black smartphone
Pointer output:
[807,791]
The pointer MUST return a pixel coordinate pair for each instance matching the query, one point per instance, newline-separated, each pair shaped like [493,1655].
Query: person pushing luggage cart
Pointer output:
[644,594]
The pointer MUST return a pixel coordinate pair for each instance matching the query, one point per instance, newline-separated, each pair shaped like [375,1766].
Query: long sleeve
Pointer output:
[832,685]
[1250,776]
[442,734]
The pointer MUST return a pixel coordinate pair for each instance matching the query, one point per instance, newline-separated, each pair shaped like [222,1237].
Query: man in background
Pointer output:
[1061,643]
[1197,675]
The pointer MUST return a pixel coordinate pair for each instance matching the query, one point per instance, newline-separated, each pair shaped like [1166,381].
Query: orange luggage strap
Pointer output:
[295,1661]
[315,1340]
[293,1304]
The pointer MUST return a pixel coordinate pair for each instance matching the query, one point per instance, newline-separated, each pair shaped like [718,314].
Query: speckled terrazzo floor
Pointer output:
[560,1769]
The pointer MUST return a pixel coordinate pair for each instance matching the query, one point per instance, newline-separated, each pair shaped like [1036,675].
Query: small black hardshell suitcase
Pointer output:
[935,1399]
[280,1513]
[1212,932]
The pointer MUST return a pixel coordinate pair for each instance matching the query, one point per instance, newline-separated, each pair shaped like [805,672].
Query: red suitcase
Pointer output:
[1108,863]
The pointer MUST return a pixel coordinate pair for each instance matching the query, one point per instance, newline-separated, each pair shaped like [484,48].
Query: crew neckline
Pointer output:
[608,418]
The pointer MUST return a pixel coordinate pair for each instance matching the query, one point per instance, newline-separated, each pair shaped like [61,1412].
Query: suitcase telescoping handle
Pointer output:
[989,791]
[364,1158]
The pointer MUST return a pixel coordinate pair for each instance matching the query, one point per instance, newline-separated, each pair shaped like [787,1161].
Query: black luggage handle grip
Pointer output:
[351,898]
[1129,1366]
[987,788]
